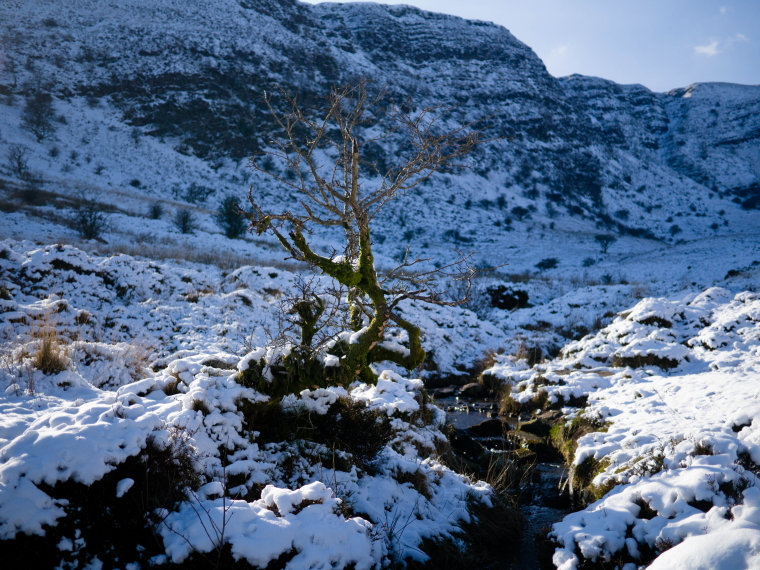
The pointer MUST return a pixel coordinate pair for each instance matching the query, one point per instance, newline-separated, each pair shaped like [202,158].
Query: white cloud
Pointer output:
[709,50]
[559,51]
[723,9]
[741,38]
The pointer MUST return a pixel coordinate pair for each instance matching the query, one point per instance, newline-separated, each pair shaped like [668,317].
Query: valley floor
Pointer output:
[658,423]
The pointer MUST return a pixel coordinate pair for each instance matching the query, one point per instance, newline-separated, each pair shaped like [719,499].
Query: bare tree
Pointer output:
[184,221]
[605,241]
[18,161]
[89,219]
[321,155]
[37,116]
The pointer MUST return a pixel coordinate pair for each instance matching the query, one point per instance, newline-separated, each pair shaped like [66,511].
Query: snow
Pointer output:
[77,426]
[83,443]
[112,397]
[317,401]
[152,344]
[682,440]
[123,486]
[261,531]
[737,548]
[79,443]
[391,393]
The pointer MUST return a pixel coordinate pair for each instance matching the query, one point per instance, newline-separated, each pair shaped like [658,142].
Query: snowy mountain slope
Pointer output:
[581,153]
[715,137]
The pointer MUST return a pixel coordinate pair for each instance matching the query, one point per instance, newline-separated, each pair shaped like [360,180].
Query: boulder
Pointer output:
[464,445]
[537,426]
[497,443]
[528,438]
[489,428]
[550,416]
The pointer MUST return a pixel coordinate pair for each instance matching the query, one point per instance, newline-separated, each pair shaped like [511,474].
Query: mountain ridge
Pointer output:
[618,158]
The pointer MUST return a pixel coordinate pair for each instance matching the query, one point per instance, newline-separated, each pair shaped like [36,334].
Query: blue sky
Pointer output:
[662,44]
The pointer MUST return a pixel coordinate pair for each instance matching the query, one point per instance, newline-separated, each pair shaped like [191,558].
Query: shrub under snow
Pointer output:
[675,383]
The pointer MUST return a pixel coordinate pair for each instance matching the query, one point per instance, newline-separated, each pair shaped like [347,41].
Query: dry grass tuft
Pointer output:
[137,359]
[531,354]
[51,356]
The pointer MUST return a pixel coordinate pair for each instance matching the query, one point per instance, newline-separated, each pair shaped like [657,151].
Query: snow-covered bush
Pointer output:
[200,467]
[664,452]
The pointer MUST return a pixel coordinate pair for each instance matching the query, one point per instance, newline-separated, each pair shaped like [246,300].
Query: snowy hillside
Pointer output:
[617,319]
[164,101]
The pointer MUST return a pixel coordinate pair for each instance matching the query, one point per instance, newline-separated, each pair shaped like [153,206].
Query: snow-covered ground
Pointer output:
[674,382]
[151,323]
[151,352]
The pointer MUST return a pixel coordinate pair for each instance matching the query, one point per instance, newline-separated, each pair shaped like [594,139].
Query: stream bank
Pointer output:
[514,452]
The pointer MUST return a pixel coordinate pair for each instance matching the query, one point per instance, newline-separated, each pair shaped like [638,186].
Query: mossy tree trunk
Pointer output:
[332,195]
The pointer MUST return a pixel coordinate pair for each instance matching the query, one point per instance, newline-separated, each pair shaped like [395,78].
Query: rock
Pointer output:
[529,438]
[472,390]
[550,416]
[544,453]
[536,426]
[465,445]
[524,456]
[497,443]
[489,428]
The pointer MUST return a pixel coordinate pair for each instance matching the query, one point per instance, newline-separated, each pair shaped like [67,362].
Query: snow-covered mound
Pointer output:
[313,508]
[147,310]
[674,382]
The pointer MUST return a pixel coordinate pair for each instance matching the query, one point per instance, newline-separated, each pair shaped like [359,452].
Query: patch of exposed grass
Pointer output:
[642,360]
[51,356]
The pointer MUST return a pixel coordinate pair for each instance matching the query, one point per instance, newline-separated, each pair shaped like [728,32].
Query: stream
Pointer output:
[538,492]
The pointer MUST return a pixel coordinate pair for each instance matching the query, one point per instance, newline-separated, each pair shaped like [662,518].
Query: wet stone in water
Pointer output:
[489,428]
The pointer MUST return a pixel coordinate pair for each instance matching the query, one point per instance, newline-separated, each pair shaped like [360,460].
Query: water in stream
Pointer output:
[539,496]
